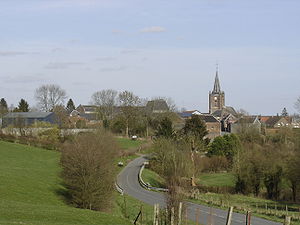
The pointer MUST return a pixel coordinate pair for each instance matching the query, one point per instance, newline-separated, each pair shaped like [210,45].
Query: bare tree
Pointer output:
[128,103]
[48,96]
[170,102]
[88,170]
[171,159]
[106,100]
[297,104]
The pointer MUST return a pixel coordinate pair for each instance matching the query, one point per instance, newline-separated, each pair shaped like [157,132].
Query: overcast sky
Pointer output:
[154,48]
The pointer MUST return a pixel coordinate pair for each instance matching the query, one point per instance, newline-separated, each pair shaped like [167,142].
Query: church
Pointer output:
[219,117]
[225,114]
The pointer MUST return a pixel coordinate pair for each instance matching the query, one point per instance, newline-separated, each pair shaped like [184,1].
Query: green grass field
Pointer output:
[30,187]
[126,143]
[153,178]
[217,179]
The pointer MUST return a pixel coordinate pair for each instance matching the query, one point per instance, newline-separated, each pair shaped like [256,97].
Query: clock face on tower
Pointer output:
[215,98]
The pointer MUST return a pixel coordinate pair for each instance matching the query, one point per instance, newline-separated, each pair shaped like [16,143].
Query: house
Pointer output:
[226,123]
[157,106]
[224,112]
[25,119]
[246,123]
[88,112]
[188,114]
[295,122]
[212,125]
[277,122]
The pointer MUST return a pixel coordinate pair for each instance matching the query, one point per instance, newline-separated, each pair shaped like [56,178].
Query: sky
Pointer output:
[154,48]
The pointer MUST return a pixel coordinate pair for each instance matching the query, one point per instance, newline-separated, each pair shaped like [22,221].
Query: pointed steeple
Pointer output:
[217,88]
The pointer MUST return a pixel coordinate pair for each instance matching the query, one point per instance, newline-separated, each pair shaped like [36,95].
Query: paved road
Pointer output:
[128,180]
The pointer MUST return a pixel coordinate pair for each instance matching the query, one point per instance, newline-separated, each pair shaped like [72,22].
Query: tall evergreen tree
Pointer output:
[23,106]
[165,128]
[195,131]
[196,127]
[284,112]
[70,105]
[3,107]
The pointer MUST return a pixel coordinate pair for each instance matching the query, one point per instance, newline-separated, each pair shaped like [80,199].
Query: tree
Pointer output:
[3,107]
[106,100]
[195,130]
[23,106]
[272,179]
[284,112]
[297,104]
[70,106]
[88,168]
[172,161]
[227,145]
[61,116]
[165,128]
[249,171]
[293,174]
[48,96]
[128,103]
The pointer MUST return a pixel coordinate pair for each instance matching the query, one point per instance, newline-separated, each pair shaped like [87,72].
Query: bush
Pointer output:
[211,164]
[88,170]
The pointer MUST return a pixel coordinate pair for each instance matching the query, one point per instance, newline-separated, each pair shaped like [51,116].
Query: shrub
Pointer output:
[88,170]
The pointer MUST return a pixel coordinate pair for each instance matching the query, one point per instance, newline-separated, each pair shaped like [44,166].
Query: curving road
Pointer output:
[128,181]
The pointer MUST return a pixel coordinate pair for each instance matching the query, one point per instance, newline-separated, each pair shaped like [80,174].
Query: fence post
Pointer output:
[154,214]
[186,216]
[125,207]
[179,213]
[287,220]
[248,218]
[229,216]
[141,214]
[172,216]
[157,214]
[197,216]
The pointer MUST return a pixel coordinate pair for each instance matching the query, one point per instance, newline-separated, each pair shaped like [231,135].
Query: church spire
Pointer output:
[217,88]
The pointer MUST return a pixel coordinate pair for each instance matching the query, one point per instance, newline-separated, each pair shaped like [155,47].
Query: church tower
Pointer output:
[216,97]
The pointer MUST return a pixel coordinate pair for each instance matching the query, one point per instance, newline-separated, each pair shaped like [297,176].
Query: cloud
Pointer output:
[113,69]
[13,53]
[105,58]
[53,4]
[58,50]
[129,51]
[62,65]
[24,79]
[154,29]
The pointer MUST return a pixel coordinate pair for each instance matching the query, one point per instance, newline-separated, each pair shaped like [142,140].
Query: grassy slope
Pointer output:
[126,143]
[153,178]
[29,186]
[217,179]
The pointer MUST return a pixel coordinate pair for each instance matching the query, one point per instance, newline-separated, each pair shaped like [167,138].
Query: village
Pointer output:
[219,120]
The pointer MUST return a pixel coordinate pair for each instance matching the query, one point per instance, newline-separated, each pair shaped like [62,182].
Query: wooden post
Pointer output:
[248,218]
[157,214]
[186,217]
[286,210]
[287,220]
[229,216]
[141,214]
[125,207]
[154,214]
[179,213]
[197,216]
[212,216]
[172,216]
